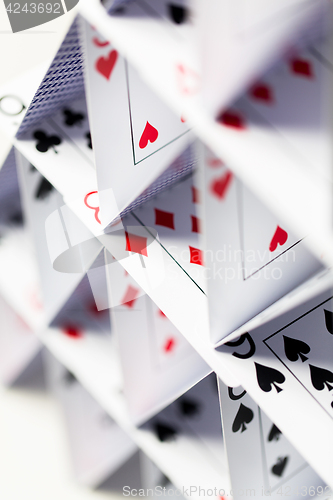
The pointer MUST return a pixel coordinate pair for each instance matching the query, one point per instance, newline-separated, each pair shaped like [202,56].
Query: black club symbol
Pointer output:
[44,141]
[73,118]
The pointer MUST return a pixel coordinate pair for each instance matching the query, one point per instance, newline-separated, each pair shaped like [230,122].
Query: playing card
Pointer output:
[278,186]
[98,445]
[41,200]
[62,83]
[79,315]
[164,266]
[174,215]
[18,344]
[278,99]
[60,148]
[260,458]
[143,134]
[19,282]
[257,34]
[170,64]
[160,364]
[250,255]
[192,426]
[287,370]
[269,130]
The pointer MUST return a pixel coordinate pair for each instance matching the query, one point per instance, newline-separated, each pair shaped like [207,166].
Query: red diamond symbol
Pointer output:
[71,331]
[136,244]
[130,296]
[262,92]
[215,162]
[196,256]
[231,119]
[301,67]
[195,195]
[163,218]
[195,224]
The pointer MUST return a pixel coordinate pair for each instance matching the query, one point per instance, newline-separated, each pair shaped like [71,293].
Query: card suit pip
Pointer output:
[269,377]
[130,296]
[105,65]
[219,186]
[244,416]
[149,134]
[163,218]
[279,238]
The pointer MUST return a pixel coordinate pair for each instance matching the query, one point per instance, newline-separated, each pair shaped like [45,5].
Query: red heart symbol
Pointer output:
[279,238]
[220,186]
[105,65]
[149,134]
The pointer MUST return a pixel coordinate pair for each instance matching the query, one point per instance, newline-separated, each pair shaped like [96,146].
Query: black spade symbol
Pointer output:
[188,407]
[165,432]
[295,349]
[178,13]
[280,465]
[243,416]
[274,433]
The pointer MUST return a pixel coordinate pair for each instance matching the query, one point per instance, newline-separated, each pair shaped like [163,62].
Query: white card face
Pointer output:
[174,215]
[313,368]
[73,122]
[16,250]
[262,239]
[18,344]
[151,129]
[283,121]
[98,445]
[252,257]
[60,148]
[260,457]
[144,136]
[257,34]
[289,100]
[160,365]
[262,14]
[288,370]
[40,200]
